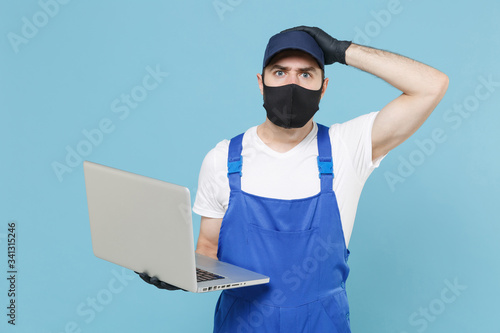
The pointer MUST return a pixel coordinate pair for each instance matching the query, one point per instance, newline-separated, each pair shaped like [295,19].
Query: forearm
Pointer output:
[209,236]
[409,76]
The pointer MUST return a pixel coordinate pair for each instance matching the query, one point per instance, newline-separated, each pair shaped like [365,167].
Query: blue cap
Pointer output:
[296,40]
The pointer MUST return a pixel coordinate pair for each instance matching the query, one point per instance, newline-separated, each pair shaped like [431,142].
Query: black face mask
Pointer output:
[290,106]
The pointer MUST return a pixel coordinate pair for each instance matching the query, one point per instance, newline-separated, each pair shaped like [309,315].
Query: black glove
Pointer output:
[333,49]
[157,283]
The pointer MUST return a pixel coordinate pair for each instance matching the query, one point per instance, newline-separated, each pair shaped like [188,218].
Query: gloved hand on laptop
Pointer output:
[157,283]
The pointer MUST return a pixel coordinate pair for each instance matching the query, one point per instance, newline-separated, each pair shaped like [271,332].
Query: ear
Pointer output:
[261,86]
[325,84]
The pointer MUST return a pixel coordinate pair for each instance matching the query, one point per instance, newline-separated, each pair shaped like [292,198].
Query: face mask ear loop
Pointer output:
[322,84]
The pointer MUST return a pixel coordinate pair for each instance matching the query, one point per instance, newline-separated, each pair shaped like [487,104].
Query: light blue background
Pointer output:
[439,225]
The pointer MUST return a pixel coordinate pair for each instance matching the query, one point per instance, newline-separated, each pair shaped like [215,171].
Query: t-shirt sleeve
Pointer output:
[208,195]
[356,135]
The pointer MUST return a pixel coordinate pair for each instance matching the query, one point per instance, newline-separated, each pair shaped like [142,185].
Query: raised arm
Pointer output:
[422,88]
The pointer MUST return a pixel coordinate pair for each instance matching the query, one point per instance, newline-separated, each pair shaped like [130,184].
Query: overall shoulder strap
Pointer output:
[234,162]
[325,163]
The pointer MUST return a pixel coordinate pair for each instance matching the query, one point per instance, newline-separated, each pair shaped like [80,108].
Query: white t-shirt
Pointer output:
[293,174]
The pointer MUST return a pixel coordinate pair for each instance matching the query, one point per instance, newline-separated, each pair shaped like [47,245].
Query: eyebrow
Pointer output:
[302,69]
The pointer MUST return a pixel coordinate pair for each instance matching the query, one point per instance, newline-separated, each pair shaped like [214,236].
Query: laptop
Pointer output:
[145,225]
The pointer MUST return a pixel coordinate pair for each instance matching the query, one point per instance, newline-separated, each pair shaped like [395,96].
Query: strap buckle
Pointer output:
[234,166]
[325,166]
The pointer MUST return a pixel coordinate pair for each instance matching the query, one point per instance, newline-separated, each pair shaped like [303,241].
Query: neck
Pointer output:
[282,139]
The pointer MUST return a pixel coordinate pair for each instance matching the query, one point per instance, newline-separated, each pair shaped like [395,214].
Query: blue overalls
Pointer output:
[298,243]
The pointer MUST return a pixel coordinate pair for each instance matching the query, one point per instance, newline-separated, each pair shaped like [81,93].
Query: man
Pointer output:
[281,198]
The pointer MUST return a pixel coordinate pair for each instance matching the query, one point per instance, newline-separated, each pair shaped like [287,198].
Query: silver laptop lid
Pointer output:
[141,223]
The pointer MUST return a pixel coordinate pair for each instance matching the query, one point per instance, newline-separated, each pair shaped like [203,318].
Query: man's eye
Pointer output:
[280,73]
[306,75]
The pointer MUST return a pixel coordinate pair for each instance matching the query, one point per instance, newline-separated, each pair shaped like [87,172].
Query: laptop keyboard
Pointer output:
[202,275]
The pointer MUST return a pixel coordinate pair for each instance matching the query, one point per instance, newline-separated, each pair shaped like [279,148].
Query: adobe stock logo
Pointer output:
[455,117]
[426,315]
[381,19]
[292,278]
[121,107]
[223,6]
[31,26]
[88,309]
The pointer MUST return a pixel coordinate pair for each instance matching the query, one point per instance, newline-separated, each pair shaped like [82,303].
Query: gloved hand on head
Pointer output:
[333,49]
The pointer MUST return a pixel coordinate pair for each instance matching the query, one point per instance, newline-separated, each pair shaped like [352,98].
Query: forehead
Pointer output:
[301,58]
